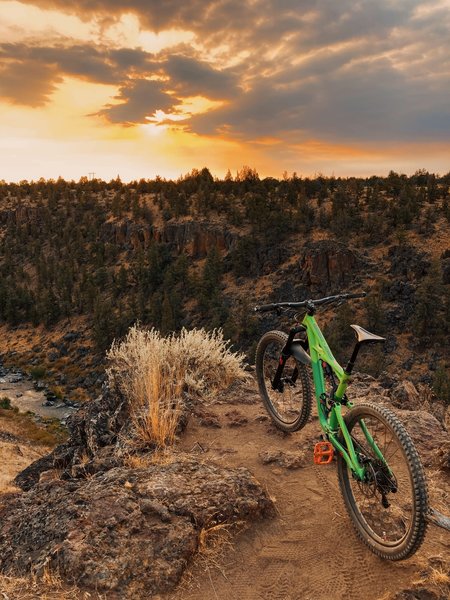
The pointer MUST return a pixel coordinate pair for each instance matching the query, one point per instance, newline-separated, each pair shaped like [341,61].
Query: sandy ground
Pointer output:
[309,551]
[14,457]
[16,453]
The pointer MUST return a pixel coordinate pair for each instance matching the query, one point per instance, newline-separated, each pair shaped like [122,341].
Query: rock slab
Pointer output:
[128,532]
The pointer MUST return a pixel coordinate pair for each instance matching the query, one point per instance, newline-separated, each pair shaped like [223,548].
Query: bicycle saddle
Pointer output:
[365,336]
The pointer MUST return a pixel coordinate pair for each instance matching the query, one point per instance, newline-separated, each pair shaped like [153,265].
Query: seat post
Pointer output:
[364,337]
[351,362]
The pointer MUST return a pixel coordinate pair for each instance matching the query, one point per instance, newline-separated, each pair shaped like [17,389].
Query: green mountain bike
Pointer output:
[381,478]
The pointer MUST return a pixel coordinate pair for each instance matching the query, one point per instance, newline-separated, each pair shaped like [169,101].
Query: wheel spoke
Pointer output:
[384,502]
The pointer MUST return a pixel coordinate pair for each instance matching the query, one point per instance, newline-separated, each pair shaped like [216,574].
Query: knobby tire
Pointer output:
[405,518]
[290,409]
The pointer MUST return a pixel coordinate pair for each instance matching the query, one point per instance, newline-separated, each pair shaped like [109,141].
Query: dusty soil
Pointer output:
[309,552]
[16,453]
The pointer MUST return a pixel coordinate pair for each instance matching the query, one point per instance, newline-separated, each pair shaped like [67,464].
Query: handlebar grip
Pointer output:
[357,295]
[265,307]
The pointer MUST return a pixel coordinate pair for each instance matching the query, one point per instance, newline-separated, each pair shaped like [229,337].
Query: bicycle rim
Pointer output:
[388,507]
[286,403]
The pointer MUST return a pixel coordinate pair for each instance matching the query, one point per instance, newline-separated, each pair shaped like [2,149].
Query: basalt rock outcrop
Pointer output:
[408,263]
[127,532]
[97,435]
[427,433]
[196,238]
[327,266]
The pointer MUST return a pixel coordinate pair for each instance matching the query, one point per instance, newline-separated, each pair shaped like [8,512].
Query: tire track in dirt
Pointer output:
[326,571]
[354,568]
[293,557]
[309,551]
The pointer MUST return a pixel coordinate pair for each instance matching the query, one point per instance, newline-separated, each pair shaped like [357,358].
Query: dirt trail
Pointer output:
[309,552]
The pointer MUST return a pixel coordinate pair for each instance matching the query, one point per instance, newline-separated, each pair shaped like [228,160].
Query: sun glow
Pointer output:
[288,96]
[153,129]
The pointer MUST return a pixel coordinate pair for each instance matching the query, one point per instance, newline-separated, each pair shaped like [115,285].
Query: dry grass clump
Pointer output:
[215,542]
[48,587]
[48,432]
[159,375]
[436,575]
[433,581]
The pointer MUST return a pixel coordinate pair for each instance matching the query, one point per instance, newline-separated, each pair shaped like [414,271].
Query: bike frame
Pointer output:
[334,422]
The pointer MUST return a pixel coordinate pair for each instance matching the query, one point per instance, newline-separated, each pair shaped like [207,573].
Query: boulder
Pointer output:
[405,395]
[129,532]
[403,294]
[287,460]
[426,432]
[96,426]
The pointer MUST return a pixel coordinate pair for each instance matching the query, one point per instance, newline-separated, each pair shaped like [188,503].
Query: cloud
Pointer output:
[86,61]
[361,102]
[28,83]
[130,58]
[197,78]
[140,99]
[353,70]
[316,21]
[129,68]
[154,14]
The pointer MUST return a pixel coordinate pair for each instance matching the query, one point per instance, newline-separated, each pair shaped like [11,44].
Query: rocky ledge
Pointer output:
[106,526]
[126,531]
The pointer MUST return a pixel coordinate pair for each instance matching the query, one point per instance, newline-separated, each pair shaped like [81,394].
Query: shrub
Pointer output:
[5,403]
[58,391]
[159,376]
[441,384]
[38,372]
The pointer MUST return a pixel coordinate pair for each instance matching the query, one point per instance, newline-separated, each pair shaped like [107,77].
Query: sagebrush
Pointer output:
[160,376]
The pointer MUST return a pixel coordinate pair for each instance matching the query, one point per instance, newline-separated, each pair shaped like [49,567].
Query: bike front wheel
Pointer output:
[388,508]
[289,406]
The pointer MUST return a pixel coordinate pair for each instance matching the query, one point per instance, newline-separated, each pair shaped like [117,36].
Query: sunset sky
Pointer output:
[138,88]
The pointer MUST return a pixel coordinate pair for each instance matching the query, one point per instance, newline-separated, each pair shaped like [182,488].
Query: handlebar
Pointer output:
[310,304]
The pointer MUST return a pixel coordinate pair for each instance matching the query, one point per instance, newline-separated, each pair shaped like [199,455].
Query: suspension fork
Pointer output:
[285,354]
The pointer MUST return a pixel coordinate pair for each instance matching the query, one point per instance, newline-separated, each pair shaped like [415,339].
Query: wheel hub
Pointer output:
[377,481]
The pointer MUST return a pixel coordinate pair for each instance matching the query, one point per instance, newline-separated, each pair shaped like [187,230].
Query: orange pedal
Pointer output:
[323,453]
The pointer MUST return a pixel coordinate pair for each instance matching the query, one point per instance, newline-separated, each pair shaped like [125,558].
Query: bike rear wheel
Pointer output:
[388,509]
[290,406]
